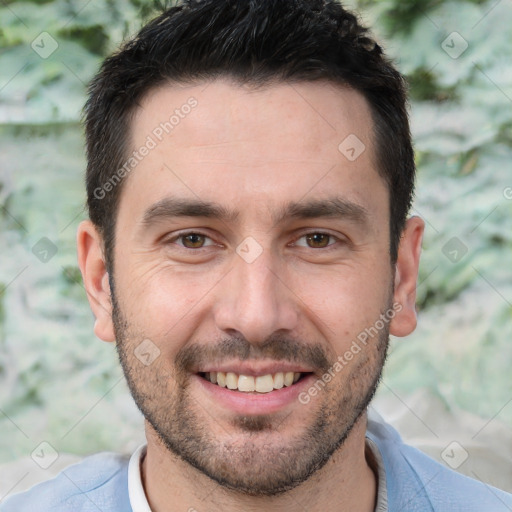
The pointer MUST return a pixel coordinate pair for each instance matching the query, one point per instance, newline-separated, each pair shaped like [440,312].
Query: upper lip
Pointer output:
[255,368]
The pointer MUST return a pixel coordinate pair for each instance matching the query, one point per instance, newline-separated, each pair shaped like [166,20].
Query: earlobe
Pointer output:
[406,276]
[94,273]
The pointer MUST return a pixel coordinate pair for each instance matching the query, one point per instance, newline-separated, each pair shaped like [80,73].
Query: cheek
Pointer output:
[160,299]
[345,302]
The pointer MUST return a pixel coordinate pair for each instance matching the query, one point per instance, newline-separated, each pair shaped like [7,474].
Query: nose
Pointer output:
[255,300]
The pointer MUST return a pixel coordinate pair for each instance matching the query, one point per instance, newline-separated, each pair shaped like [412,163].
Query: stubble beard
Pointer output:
[258,461]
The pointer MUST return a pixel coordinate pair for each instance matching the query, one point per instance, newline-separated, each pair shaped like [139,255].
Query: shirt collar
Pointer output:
[139,502]
[138,499]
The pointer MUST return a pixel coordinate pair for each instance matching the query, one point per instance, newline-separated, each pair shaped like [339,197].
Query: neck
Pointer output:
[347,480]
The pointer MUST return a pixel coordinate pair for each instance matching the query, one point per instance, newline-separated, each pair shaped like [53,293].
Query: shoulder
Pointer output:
[98,482]
[417,482]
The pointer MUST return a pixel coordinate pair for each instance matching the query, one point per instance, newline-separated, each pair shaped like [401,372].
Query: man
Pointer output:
[250,172]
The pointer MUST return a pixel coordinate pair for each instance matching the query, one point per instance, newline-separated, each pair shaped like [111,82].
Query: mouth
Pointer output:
[254,389]
[252,384]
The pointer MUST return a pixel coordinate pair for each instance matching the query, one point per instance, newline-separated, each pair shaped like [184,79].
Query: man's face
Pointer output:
[285,281]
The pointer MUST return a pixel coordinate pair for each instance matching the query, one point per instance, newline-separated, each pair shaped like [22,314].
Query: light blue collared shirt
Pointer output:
[409,481]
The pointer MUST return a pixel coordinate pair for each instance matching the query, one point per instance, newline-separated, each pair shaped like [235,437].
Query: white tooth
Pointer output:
[245,383]
[213,377]
[221,379]
[231,380]
[288,378]
[296,377]
[264,383]
[278,380]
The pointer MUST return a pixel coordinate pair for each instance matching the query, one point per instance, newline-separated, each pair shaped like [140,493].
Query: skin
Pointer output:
[301,301]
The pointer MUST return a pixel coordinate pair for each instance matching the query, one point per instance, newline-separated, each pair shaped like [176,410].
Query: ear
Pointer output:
[406,276]
[95,276]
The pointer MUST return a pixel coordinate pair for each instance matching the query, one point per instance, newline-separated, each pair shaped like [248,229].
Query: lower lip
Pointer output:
[252,403]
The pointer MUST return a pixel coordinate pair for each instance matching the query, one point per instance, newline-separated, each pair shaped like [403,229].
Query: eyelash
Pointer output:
[187,233]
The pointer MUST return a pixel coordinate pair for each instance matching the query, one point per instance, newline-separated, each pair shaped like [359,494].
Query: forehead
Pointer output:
[320,113]
[220,141]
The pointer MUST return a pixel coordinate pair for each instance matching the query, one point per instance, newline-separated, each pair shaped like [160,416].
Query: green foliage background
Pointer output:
[59,384]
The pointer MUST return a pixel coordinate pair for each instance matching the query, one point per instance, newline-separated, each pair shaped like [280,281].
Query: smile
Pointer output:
[249,383]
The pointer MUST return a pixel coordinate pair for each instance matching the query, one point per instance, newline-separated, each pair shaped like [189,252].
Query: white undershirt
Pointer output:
[139,502]
[138,499]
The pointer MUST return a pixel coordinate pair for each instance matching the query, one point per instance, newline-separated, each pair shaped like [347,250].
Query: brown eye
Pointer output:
[318,240]
[193,240]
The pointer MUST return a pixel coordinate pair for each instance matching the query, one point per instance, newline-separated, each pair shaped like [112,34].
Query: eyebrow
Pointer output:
[334,207]
[170,207]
